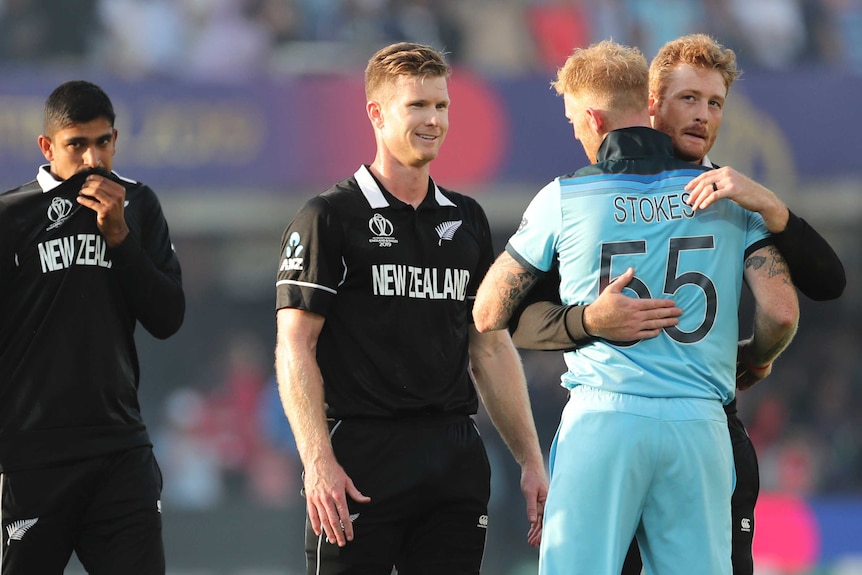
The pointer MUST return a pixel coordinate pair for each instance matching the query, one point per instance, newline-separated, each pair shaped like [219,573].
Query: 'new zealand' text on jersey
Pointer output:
[69,305]
[624,212]
[396,286]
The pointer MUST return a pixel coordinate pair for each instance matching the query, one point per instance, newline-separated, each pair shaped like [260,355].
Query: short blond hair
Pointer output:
[403,59]
[612,75]
[696,50]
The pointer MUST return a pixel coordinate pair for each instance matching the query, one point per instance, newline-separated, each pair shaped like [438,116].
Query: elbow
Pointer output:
[788,324]
[484,321]
[169,323]
[786,318]
[481,324]
[165,331]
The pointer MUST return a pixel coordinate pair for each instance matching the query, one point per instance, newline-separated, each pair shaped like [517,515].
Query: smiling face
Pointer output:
[412,118]
[690,110]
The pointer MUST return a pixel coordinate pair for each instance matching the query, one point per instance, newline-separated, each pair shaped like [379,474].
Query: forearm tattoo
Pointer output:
[514,288]
[774,262]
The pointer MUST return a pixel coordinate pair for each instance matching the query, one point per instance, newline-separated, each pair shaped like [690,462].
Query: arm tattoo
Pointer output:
[775,264]
[514,288]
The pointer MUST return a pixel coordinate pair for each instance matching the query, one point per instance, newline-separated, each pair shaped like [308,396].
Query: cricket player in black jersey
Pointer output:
[377,356]
[689,81]
[84,256]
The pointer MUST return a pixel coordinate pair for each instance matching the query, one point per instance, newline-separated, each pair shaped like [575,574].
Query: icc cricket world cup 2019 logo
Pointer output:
[383,231]
[58,211]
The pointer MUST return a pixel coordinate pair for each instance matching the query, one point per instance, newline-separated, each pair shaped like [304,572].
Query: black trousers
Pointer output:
[106,510]
[429,484]
[741,504]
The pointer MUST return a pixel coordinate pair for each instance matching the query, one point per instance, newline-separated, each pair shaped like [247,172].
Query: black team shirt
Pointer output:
[396,286]
[68,308]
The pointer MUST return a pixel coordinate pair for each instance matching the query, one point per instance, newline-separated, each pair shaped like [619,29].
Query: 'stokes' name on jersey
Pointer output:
[80,250]
[652,209]
[420,283]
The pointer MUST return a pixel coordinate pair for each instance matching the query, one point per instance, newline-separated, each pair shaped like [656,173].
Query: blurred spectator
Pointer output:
[23,34]
[235,40]
[282,17]
[228,43]
[609,19]
[231,409]
[321,19]
[558,27]
[792,466]
[143,37]
[773,31]
[496,39]
[655,22]
[190,465]
[430,22]
[274,427]
[847,21]
[45,30]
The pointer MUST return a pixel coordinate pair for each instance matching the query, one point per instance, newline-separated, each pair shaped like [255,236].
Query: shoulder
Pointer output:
[342,200]
[23,191]
[17,198]
[343,196]
[135,189]
[463,202]
[346,191]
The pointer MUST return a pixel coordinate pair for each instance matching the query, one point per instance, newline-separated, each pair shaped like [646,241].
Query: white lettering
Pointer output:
[49,255]
[288,264]
[62,253]
[419,283]
[381,279]
[68,250]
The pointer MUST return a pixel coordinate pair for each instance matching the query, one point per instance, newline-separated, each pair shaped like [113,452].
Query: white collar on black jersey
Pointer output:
[48,182]
[375,196]
[706,162]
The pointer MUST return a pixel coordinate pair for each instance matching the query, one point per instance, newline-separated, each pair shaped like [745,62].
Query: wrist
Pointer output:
[586,325]
[576,324]
[776,219]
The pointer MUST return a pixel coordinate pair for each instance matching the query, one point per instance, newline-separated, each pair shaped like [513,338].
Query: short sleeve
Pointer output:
[534,245]
[310,264]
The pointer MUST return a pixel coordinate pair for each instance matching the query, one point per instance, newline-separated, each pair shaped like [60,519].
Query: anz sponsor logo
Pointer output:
[78,250]
[383,231]
[420,283]
[59,210]
[292,254]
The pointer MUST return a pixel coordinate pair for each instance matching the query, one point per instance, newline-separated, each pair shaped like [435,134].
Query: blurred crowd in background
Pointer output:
[221,433]
[232,40]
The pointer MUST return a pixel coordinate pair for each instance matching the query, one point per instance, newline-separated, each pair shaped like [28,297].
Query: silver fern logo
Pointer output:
[447,230]
[17,529]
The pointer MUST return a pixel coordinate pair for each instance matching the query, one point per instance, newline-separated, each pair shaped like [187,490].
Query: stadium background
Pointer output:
[237,111]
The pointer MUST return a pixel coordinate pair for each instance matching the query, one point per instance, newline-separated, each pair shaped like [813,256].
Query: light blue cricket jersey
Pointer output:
[598,226]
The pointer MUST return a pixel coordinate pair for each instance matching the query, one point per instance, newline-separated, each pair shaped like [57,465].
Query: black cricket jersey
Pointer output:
[68,308]
[396,286]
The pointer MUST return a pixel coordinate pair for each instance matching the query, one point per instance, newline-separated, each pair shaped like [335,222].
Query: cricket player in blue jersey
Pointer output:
[642,448]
